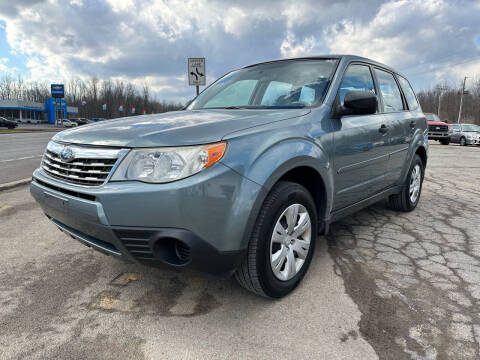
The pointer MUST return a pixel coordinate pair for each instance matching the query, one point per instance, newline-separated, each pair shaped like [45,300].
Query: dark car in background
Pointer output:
[81,121]
[437,129]
[10,124]
[465,134]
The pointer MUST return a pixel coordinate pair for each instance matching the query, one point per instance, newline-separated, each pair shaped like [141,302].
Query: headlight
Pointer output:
[161,165]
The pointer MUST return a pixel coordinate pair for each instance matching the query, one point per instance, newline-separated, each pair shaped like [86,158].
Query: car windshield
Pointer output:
[282,84]
[469,128]
[432,117]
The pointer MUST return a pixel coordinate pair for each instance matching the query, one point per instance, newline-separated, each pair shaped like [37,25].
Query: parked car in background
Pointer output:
[243,180]
[81,121]
[437,129]
[68,123]
[10,124]
[465,134]
[97,119]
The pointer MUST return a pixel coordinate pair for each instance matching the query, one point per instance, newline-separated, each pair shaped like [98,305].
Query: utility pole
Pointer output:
[461,99]
[440,89]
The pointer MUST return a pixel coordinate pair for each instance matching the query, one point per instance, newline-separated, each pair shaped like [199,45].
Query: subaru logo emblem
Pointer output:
[67,154]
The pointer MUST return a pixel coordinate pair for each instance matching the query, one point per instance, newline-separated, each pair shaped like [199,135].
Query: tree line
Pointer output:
[444,100]
[90,96]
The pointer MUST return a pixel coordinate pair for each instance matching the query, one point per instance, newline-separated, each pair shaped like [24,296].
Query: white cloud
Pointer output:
[151,39]
[291,47]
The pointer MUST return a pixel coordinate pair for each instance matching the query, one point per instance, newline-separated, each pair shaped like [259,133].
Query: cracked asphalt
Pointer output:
[381,285]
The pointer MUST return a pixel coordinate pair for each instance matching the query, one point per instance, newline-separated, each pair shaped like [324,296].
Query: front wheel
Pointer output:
[282,243]
[408,198]
[463,141]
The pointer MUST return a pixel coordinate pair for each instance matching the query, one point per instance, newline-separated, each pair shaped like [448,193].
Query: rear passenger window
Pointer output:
[391,96]
[357,78]
[408,92]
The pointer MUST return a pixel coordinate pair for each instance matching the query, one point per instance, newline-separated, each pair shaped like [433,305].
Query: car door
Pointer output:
[399,122]
[360,157]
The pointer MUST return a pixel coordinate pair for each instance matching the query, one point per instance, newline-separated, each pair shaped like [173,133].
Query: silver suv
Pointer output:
[465,134]
[243,180]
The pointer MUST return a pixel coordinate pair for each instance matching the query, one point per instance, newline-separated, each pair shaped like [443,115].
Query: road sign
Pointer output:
[196,71]
[57,90]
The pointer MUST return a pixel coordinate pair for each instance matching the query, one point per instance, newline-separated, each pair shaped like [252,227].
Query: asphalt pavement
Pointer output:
[382,284]
[20,154]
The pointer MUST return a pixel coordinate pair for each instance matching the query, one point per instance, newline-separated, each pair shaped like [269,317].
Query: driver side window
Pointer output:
[357,78]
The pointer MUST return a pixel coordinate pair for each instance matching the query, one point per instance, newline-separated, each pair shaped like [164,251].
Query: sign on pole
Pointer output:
[57,90]
[196,72]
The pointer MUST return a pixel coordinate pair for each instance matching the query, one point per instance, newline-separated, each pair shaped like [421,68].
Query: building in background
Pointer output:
[34,112]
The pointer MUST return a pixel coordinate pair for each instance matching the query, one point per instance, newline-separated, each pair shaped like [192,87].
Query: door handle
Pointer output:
[383,129]
[412,124]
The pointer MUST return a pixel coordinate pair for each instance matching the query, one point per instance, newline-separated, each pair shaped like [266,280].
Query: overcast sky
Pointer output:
[150,40]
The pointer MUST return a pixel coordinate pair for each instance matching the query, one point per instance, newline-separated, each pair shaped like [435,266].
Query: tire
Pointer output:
[463,141]
[403,200]
[445,142]
[256,273]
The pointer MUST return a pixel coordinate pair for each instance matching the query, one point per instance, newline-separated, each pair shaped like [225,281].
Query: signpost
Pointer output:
[58,92]
[196,72]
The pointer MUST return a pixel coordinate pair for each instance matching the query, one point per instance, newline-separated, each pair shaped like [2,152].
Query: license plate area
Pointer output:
[56,202]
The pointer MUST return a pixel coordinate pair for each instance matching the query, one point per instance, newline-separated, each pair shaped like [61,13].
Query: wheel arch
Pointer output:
[422,152]
[304,170]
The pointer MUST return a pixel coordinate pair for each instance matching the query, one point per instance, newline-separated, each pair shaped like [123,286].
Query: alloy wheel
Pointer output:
[415,183]
[290,242]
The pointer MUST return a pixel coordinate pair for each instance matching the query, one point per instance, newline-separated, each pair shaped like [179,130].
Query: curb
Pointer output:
[23,131]
[14,184]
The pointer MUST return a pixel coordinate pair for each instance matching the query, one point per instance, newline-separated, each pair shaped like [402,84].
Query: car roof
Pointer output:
[346,57]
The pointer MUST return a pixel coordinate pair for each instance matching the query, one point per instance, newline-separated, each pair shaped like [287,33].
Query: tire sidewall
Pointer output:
[293,194]
[410,204]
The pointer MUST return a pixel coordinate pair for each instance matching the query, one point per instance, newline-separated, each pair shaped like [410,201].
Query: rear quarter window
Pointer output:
[409,94]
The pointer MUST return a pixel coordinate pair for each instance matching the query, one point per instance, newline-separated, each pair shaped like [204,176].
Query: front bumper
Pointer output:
[202,222]
[438,136]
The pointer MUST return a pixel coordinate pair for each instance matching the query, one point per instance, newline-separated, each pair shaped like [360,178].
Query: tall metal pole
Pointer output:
[461,100]
[198,89]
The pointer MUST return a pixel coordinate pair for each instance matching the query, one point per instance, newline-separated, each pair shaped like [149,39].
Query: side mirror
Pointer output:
[359,103]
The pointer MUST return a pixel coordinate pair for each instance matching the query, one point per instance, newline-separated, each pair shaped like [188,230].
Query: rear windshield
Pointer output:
[282,84]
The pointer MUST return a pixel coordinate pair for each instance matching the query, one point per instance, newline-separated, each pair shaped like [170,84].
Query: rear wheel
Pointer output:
[282,243]
[408,198]
[445,142]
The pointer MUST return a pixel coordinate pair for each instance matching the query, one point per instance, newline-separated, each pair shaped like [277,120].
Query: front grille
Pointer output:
[434,128]
[136,242]
[83,171]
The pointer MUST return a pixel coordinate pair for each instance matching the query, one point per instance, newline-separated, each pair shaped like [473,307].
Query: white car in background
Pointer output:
[68,123]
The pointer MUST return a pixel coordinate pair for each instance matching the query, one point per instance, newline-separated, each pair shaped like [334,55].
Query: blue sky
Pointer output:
[11,61]
[148,41]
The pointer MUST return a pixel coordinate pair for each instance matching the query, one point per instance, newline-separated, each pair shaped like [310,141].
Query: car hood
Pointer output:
[431,122]
[175,128]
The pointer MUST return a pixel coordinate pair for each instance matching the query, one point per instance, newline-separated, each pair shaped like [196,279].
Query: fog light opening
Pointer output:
[171,251]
